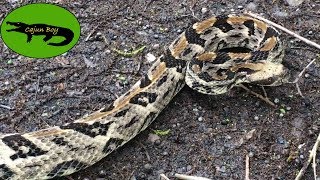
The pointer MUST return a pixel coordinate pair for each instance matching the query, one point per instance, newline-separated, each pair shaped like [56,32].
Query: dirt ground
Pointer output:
[209,136]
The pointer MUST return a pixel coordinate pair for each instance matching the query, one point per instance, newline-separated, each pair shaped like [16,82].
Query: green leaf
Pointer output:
[161,132]
[282,111]
[129,54]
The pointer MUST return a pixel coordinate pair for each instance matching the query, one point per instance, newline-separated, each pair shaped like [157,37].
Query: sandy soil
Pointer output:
[209,135]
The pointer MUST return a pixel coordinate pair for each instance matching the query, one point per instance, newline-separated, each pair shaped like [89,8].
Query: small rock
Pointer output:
[153,138]
[251,6]
[148,168]
[256,118]
[307,75]
[221,169]
[189,167]
[225,122]
[250,154]
[240,7]
[204,10]
[47,88]
[280,140]
[165,153]
[157,142]
[280,13]
[228,137]
[200,119]
[276,100]
[294,2]
[156,46]
[161,171]
[102,173]
[150,57]
[156,36]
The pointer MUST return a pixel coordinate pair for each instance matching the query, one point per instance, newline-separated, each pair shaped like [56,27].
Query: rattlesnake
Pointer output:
[204,57]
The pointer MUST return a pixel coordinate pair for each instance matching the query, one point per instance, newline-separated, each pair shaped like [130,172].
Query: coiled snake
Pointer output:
[203,56]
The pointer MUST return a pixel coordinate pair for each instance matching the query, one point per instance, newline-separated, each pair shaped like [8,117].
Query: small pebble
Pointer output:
[102,173]
[157,142]
[276,100]
[156,36]
[280,140]
[307,75]
[200,119]
[288,108]
[156,46]
[240,7]
[221,169]
[310,32]
[150,57]
[225,122]
[189,167]
[251,6]
[294,2]
[148,168]
[165,153]
[133,178]
[250,154]
[179,31]
[256,118]
[204,10]
[228,137]
[153,138]
[281,115]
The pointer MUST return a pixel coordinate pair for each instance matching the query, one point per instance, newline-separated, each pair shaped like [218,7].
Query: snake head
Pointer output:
[269,74]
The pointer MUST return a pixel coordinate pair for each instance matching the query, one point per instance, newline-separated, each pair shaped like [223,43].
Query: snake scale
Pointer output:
[211,56]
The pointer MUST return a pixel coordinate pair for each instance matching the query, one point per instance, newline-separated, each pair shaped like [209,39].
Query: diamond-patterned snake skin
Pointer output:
[211,56]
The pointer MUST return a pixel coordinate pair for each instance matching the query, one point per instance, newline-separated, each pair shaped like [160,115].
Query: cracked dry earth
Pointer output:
[209,135]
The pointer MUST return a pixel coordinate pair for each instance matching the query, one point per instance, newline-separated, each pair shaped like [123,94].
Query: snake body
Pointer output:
[203,57]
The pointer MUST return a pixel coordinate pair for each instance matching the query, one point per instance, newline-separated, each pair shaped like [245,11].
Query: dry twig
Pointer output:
[247,168]
[265,99]
[312,156]
[186,177]
[284,29]
[6,107]
[164,177]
